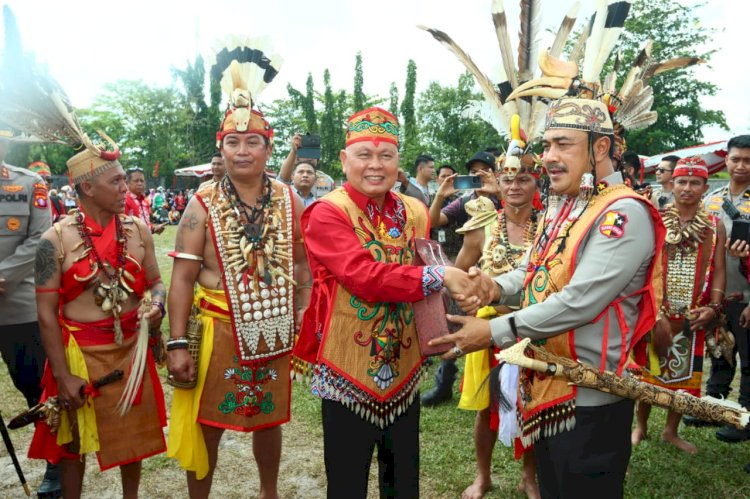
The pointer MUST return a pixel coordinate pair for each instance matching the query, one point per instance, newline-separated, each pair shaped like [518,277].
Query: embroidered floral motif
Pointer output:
[248,398]
[389,319]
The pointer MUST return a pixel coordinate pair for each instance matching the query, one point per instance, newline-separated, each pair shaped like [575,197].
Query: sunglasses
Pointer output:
[662,170]
[134,169]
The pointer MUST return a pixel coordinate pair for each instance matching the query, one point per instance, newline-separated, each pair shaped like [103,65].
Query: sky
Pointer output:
[87,43]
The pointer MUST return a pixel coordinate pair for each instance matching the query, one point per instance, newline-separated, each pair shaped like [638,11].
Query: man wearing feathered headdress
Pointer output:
[98,268]
[239,247]
[578,299]
[358,339]
[497,241]
[98,293]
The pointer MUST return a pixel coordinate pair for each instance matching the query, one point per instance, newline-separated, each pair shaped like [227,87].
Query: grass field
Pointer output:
[447,456]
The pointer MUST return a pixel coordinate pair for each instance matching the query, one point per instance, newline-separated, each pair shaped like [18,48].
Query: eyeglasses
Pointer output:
[134,169]
[662,170]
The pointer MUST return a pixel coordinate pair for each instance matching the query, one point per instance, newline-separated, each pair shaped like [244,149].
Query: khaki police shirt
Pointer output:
[607,269]
[24,216]
[736,282]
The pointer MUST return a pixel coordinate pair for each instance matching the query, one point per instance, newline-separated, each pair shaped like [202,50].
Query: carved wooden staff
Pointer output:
[705,408]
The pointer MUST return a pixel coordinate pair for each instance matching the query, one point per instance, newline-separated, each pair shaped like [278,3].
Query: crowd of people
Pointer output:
[586,298]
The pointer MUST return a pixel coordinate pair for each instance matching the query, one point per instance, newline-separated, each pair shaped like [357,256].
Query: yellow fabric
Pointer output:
[653,361]
[85,416]
[186,443]
[475,393]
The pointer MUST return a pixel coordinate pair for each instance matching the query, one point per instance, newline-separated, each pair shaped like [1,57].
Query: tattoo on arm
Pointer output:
[191,222]
[45,264]
[159,294]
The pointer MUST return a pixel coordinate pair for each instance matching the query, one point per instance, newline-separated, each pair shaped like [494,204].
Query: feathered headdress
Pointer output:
[33,102]
[520,121]
[245,67]
[497,108]
[585,102]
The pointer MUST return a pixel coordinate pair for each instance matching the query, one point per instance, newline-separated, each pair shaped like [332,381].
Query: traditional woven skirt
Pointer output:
[227,394]
[682,368]
[91,353]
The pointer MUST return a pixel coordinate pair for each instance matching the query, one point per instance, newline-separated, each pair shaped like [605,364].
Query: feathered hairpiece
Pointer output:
[33,102]
[245,67]
[497,108]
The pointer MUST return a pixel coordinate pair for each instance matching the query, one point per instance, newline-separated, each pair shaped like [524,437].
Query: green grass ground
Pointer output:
[657,470]
[447,452]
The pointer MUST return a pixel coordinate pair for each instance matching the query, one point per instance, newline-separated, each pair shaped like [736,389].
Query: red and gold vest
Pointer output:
[374,346]
[547,404]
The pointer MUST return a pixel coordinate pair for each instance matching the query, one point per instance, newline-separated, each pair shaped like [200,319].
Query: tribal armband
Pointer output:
[185,256]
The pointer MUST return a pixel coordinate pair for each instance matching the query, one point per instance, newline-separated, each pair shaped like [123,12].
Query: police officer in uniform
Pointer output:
[731,203]
[24,216]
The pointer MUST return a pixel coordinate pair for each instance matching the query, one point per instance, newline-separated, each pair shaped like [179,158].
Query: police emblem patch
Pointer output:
[12,188]
[13,224]
[613,225]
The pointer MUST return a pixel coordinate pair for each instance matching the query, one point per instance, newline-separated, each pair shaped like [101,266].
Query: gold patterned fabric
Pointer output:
[374,346]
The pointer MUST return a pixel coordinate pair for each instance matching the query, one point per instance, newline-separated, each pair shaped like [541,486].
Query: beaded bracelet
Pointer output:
[161,308]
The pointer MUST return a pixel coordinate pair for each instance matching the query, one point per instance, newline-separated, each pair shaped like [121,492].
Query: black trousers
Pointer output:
[590,460]
[349,441]
[21,348]
[722,372]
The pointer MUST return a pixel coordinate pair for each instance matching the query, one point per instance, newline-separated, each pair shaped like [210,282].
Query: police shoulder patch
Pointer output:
[40,195]
[613,225]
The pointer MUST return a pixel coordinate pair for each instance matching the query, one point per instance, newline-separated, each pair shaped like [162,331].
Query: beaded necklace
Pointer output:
[254,221]
[504,256]
[108,296]
[681,258]
[255,244]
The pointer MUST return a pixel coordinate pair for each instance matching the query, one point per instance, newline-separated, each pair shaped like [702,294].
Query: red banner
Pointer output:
[156,170]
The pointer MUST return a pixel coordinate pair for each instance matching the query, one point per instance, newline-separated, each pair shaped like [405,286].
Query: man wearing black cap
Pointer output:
[483,165]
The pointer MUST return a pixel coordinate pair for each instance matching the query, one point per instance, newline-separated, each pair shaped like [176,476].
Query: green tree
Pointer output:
[286,118]
[676,31]
[393,103]
[149,124]
[358,97]
[55,155]
[409,137]
[311,118]
[444,131]
[330,129]
[202,125]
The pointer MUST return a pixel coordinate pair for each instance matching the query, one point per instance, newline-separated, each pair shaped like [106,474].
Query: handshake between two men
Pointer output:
[471,291]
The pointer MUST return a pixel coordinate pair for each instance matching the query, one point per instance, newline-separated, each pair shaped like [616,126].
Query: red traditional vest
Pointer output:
[547,404]
[373,346]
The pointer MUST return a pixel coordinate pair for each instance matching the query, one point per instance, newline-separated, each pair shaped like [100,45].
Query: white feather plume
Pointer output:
[593,43]
[255,67]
